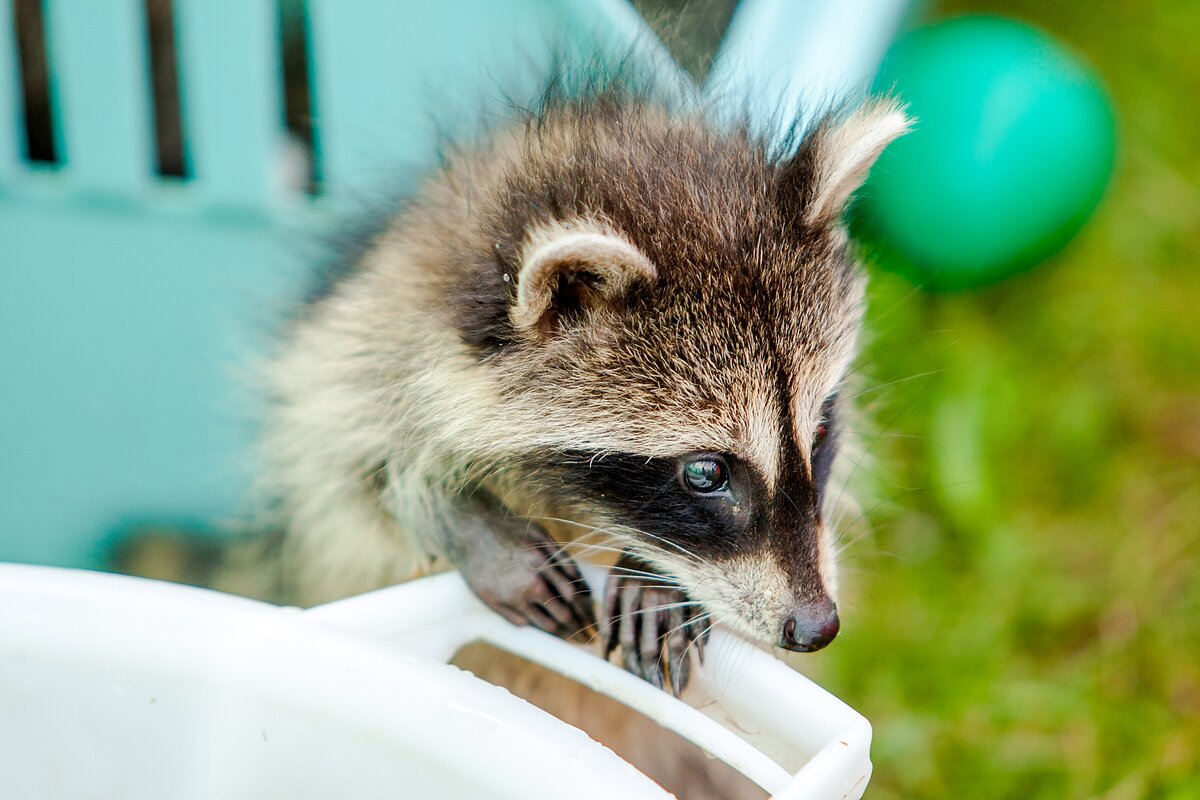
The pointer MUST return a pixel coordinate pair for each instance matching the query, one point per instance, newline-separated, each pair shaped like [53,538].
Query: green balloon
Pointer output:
[1013,146]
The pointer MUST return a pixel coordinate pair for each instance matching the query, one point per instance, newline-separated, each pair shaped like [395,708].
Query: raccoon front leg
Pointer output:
[653,622]
[515,568]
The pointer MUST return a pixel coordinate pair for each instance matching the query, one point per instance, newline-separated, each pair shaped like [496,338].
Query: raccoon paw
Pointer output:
[533,582]
[655,625]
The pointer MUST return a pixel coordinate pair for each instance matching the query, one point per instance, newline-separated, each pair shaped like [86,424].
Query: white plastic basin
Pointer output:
[122,688]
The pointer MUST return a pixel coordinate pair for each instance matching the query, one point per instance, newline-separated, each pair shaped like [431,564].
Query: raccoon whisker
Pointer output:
[888,434]
[684,624]
[659,557]
[596,537]
[894,557]
[581,541]
[635,573]
[667,606]
[646,548]
[560,520]
[621,570]
[846,528]
[743,649]
[881,502]
[593,548]
[873,554]
[659,586]
[698,640]
[848,543]
[900,302]
[886,384]
[586,547]
[788,497]
[624,570]
[857,464]
[676,545]
[873,528]
[859,368]
[610,545]
[666,636]
[620,548]
[724,579]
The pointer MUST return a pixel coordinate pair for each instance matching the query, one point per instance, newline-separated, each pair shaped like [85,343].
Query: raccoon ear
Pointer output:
[834,159]
[568,272]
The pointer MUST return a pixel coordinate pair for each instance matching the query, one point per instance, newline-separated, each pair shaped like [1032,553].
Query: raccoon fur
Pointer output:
[613,331]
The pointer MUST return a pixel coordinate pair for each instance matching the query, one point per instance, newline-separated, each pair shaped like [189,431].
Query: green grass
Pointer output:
[1023,600]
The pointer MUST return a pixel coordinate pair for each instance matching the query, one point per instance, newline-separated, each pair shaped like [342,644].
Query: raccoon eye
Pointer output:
[820,436]
[825,426]
[705,476]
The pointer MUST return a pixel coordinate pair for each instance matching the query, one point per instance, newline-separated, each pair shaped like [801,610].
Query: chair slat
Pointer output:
[359,82]
[232,117]
[98,57]
[389,75]
[11,117]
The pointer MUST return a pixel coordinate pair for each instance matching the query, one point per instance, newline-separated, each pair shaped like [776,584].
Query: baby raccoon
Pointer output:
[612,323]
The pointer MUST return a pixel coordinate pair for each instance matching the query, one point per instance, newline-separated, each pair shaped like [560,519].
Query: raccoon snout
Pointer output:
[810,627]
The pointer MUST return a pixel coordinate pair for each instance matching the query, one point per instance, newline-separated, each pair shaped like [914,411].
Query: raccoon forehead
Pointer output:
[748,393]
[749,425]
[634,428]
[817,381]
[818,351]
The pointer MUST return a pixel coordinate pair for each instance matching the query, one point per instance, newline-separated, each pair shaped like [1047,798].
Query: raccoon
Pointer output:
[614,330]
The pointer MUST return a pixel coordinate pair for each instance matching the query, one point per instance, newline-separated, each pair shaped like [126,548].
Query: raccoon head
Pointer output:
[675,310]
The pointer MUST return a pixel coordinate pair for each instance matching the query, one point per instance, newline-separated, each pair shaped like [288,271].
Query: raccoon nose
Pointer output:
[810,627]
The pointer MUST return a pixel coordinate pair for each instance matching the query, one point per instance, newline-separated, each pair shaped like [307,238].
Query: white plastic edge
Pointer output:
[777,709]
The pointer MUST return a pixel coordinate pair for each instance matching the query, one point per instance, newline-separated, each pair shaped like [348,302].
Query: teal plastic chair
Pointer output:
[129,302]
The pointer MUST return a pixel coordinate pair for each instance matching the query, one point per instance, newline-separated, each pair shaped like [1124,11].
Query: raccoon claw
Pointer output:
[535,583]
[655,626]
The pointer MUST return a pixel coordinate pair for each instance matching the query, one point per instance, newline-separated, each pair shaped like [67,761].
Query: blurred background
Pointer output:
[1027,592]
[1023,593]
[1022,588]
